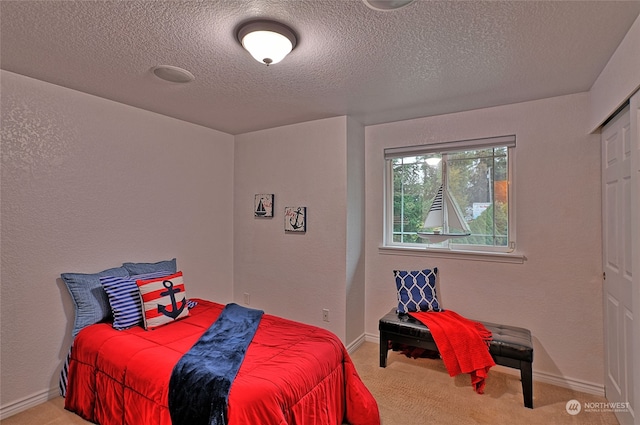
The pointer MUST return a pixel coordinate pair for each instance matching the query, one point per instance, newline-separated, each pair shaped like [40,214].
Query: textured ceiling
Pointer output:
[429,58]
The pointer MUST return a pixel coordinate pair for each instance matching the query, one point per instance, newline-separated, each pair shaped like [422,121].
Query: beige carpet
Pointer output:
[420,391]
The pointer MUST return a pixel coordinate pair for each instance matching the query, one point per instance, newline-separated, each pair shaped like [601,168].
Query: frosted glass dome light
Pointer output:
[267,41]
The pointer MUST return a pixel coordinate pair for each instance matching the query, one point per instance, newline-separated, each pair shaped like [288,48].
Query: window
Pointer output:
[453,196]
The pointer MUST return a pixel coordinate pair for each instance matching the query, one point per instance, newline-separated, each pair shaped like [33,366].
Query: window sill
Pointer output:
[495,257]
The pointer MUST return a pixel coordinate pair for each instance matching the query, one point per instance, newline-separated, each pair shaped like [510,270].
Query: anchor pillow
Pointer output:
[164,300]
[124,297]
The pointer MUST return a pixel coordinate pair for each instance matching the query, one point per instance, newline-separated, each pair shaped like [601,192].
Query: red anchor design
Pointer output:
[175,311]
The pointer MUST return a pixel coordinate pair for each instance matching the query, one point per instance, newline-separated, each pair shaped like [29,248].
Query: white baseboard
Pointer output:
[354,345]
[372,338]
[28,402]
[547,378]
[572,384]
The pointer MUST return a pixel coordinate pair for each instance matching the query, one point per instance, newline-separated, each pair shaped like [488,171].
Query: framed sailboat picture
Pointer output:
[263,205]
[295,219]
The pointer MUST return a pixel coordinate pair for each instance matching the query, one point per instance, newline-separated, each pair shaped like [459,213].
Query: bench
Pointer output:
[510,346]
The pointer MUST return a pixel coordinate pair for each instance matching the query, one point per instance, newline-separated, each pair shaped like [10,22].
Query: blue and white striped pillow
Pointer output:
[124,297]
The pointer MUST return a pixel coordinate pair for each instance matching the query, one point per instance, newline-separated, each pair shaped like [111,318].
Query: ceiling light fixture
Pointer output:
[267,41]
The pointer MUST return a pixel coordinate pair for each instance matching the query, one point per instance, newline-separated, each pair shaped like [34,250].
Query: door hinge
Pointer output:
[604,275]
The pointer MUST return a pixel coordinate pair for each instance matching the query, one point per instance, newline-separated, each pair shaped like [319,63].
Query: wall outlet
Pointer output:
[246,298]
[325,314]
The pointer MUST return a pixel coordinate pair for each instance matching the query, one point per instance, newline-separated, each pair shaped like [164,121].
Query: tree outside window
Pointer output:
[476,177]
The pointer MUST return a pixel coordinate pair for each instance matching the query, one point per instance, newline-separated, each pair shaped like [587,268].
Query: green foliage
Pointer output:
[415,184]
[482,228]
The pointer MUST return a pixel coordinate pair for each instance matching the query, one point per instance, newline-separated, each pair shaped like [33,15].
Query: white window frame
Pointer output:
[476,252]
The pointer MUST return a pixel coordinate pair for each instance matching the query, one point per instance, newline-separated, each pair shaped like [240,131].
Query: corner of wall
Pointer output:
[355,279]
[618,81]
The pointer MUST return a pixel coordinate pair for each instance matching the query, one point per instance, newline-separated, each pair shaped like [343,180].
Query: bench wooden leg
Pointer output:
[526,376]
[384,348]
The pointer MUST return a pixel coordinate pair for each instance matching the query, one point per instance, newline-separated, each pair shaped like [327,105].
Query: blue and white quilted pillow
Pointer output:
[144,268]
[90,300]
[124,298]
[417,290]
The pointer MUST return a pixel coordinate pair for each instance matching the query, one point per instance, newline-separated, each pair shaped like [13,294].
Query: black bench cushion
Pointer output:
[508,341]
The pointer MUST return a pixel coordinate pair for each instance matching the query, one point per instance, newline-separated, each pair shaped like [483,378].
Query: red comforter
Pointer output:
[292,374]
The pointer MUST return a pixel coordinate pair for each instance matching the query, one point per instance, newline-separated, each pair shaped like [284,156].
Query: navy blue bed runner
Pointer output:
[201,380]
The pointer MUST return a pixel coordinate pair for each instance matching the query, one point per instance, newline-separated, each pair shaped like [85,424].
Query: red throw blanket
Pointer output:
[462,343]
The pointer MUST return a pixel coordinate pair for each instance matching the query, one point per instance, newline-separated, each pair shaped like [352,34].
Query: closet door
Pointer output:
[618,264]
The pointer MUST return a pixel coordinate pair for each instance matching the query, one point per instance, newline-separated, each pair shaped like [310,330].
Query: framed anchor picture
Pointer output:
[263,205]
[295,219]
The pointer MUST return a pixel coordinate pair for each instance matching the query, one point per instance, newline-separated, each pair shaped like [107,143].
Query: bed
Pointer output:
[292,373]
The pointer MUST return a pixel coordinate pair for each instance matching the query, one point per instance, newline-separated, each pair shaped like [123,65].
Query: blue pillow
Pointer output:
[124,297]
[90,299]
[143,268]
[417,290]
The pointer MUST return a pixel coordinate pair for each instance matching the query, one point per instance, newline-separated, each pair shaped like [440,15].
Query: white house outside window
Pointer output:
[475,173]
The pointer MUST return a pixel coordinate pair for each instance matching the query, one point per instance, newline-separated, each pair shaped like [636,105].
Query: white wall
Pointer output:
[288,274]
[86,185]
[618,80]
[557,292]
[355,279]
